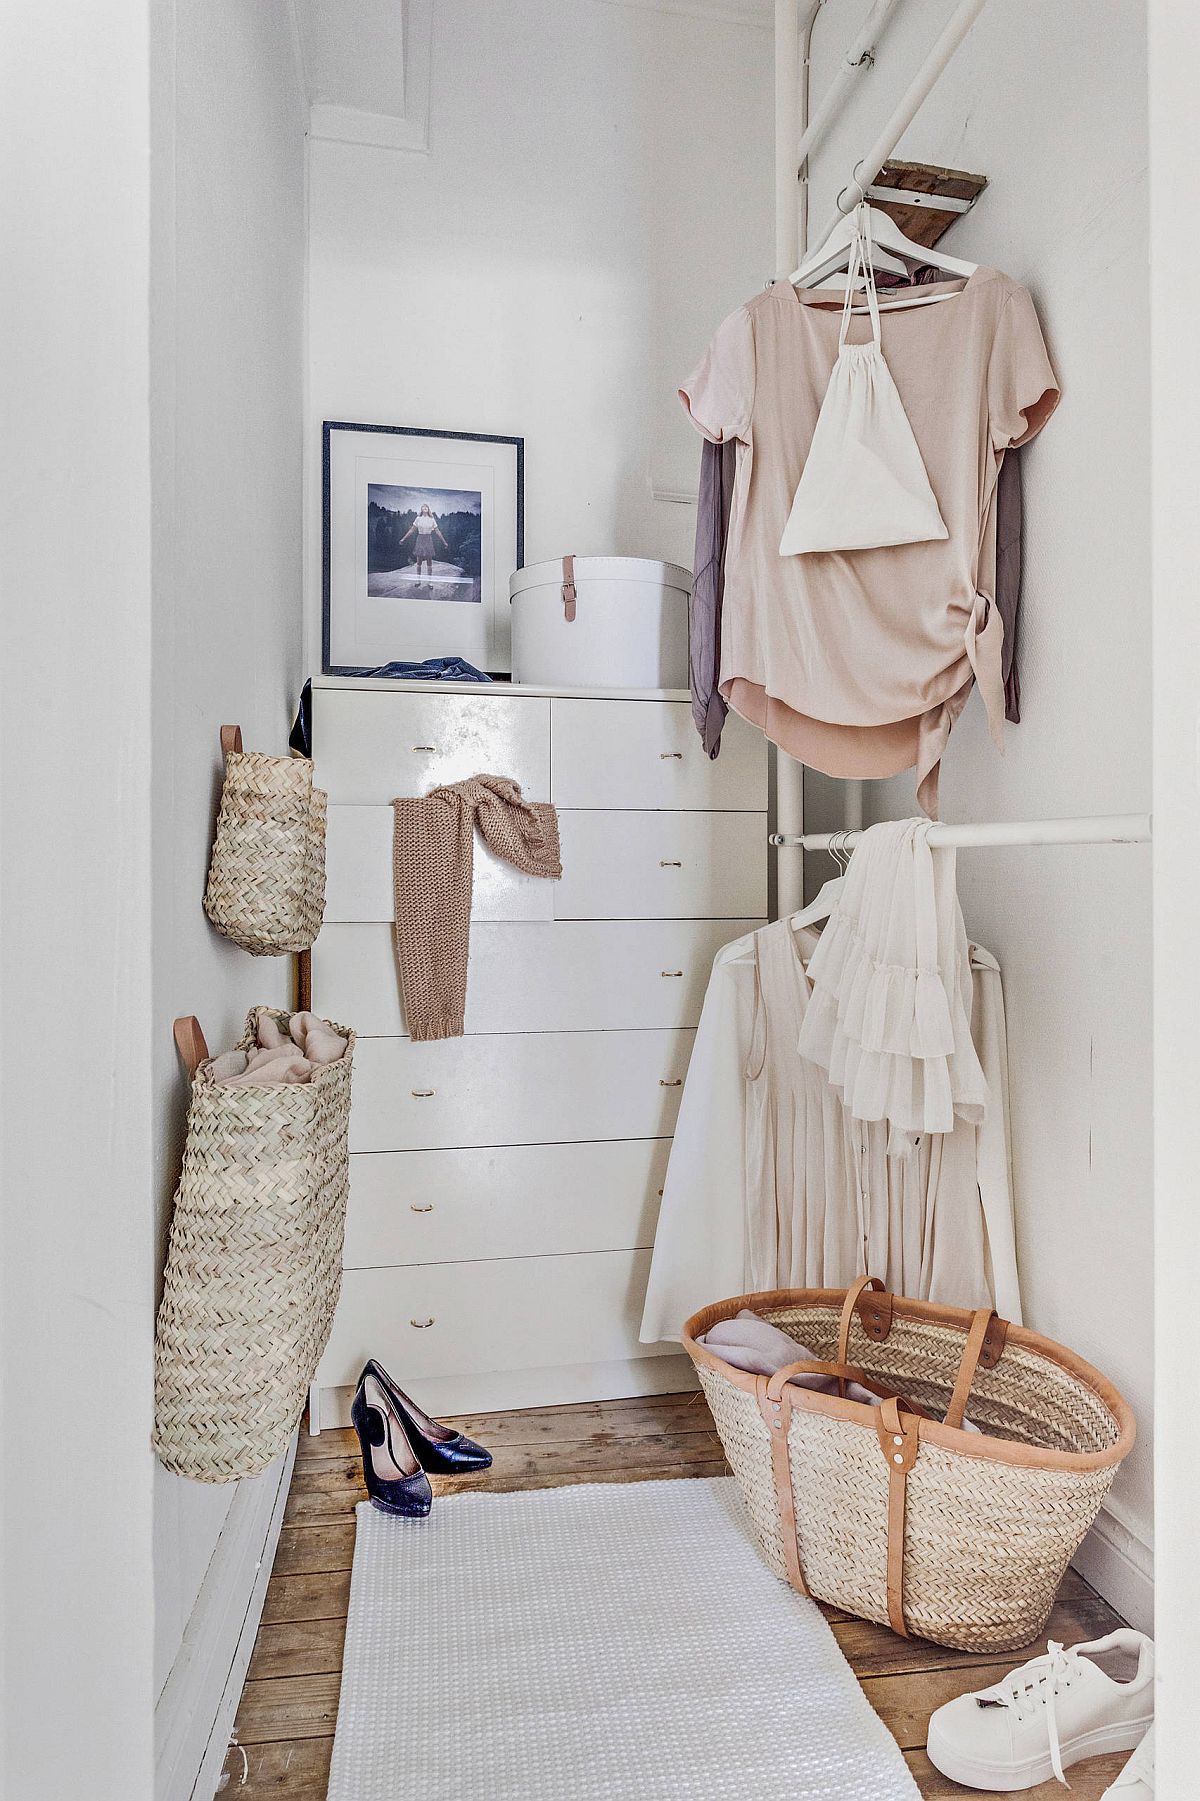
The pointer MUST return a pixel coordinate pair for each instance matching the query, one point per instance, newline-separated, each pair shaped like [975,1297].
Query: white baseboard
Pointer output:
[1117,1559]
[196,1710]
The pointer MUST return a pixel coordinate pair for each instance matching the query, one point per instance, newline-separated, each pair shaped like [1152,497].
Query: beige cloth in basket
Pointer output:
[433,865]
[280,1058]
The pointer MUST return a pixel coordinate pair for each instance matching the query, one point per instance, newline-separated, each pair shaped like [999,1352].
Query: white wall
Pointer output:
[229,254]
[597,196]
[1051,107]
[76,1275]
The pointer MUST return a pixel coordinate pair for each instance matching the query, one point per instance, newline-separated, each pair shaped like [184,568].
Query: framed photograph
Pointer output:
[422,530]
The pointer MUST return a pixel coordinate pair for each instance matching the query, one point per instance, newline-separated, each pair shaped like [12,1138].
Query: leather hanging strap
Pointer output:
[899,1441]
[231,739]
[189,1041]
[985,1327]
[776,1409]
[568,590]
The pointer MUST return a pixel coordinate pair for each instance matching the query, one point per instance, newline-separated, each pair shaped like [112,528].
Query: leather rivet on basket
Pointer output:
[777,1424]
[897,1441]
[898,1458]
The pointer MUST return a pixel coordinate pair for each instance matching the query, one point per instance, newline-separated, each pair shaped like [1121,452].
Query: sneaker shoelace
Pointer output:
[1036,1685]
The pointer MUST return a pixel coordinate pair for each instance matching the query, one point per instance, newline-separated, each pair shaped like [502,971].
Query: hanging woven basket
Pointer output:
[253,1265]
[266,879]
[895,1513]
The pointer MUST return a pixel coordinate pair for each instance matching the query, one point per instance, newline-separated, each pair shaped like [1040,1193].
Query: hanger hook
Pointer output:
[854,182]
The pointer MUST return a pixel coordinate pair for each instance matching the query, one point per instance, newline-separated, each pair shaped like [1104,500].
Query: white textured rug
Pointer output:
[614,1642]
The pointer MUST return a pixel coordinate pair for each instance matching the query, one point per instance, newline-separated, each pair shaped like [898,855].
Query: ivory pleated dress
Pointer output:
[773,1184]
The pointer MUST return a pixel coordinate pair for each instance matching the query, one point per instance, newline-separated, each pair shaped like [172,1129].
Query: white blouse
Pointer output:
[772,1184]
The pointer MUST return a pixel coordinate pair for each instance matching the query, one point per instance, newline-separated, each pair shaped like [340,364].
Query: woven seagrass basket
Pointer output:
[254,1265]
[266,878]
[895,1513]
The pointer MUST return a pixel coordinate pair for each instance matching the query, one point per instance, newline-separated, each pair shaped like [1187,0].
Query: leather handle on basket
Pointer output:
[776,1410]
[569,595]
[189,1041]
[850,1372]
[231,739]
[883,1327]
[987,1329]
[899,1440]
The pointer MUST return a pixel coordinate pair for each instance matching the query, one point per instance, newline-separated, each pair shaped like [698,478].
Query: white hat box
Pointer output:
[600,622]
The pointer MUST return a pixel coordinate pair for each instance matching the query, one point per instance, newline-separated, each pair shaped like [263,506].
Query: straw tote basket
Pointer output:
[254,1264]
[893,1515]
[266,879]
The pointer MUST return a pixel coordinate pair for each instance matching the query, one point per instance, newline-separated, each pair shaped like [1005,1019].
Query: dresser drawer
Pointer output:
[584,975]
[447,1319]
[536,1088]
[358,874]
[676,865]
[370,747]
[646,754]
[523,1200]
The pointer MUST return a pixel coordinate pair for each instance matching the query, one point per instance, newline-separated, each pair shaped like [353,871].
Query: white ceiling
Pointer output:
[353,53]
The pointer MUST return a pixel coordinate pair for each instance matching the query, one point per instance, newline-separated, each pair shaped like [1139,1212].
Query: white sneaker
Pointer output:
[1048,1714]
[1136,1781]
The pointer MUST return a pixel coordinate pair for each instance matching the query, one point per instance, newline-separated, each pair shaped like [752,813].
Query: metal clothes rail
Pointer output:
[1104,828]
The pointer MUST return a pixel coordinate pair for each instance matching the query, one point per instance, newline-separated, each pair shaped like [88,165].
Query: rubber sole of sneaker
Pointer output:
[977,1772]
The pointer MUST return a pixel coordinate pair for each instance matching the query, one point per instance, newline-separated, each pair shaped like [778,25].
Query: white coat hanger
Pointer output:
[834,253]
[826,900]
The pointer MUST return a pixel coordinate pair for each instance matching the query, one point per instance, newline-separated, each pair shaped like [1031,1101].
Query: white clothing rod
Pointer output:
[918,90]
[1104,828]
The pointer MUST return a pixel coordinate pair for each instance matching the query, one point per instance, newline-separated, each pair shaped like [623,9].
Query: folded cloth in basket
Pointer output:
[754,1344]
[280,1058]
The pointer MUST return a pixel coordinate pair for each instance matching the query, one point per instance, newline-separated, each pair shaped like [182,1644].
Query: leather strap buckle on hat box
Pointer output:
[600,622]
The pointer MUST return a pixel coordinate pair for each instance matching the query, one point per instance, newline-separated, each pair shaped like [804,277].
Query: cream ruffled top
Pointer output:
[890,1015]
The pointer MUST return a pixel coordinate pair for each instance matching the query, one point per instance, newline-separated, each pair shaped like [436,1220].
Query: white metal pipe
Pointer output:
[854,61]
[794,20]
[1105,828]
[787,130]
[907,107]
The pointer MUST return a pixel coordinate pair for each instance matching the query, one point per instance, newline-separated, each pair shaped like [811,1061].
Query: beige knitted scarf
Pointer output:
[432,863]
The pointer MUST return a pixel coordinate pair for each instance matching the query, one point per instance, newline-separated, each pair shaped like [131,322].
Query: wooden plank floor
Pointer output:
[286,1719]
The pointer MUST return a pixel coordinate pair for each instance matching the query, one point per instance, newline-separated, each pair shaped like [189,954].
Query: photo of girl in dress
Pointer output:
[423,543]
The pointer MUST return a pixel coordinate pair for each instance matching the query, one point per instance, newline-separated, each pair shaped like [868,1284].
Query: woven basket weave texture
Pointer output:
[253,1266]
[986,1542]
[266,878]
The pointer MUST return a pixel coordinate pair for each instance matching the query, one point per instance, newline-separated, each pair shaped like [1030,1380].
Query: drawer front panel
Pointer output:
[675,865]
[528,1200]
[646,754]
[540,1088]
[358,879]
[520,1313]
[567,975]
[370,747]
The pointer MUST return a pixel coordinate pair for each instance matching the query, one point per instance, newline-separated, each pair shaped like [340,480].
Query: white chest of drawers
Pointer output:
[504,1185]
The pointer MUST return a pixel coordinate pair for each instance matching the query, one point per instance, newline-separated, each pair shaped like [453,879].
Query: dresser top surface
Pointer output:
[512,690]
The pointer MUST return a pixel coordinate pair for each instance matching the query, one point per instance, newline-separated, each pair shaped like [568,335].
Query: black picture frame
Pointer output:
[329,426]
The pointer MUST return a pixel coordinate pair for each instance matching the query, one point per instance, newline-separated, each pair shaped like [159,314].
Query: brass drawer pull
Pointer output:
[669,863]
[426,1208]
[670,756]
[423,1094]
[421,1324]
[670,972]
[676,1082]
[431,748]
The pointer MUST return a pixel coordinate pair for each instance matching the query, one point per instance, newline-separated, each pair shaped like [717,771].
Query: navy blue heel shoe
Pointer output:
[395,1481]
[438,1449]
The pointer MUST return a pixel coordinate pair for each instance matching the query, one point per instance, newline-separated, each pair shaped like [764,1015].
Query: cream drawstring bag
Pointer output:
[864,483]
